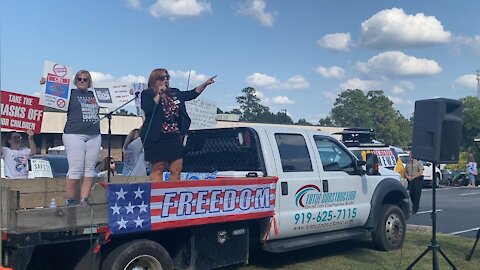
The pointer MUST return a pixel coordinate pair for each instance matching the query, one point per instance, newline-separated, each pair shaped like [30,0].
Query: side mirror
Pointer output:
[372,164]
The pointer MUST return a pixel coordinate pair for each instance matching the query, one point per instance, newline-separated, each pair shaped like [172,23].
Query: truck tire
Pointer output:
[391,228]
[138,254]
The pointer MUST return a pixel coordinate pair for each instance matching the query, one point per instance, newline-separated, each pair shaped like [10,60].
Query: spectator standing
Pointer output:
[414,175]
[166,122]
[133,155]
[471,170]
[16,157]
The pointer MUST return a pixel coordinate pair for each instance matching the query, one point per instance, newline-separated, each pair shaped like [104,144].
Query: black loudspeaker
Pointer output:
[437,130]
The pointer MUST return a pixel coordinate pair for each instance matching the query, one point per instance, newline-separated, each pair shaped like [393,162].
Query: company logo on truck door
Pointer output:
[312,193]
[310,196]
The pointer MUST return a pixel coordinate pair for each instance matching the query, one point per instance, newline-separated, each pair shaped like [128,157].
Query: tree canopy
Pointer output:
[354,108]
[252,111]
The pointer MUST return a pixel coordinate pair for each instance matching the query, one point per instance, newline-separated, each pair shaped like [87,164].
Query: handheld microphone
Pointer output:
[136,94]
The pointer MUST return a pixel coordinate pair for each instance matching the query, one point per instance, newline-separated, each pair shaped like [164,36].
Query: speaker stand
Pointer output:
[434,246]
[469,256]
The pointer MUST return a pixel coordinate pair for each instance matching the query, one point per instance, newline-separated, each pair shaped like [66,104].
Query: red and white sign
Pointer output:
[21,112]
[56,92]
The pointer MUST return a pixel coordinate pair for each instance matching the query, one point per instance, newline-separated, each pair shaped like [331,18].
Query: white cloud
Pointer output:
[134,3]
[399,101]
[282,100]
[256,9]
[402,87]
[392,28]
[102,78]
[397,63]
[195,79]
[357,83]
[265,81]
[330,95]
[262,80]
[179,8]
[466,81]
[132,78]
[336,42]
[295,82]
[99,77]
[331,72]
[471,43]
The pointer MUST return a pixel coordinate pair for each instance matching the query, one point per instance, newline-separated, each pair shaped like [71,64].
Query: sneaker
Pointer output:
[84,201]
[70,202]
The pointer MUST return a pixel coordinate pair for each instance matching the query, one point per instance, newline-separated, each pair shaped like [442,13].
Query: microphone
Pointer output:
[136,94]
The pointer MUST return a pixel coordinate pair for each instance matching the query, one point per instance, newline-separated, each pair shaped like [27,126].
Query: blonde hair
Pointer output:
[154,76]
[84,72]
[132,135]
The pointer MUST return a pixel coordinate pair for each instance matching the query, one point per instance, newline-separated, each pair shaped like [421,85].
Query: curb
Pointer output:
[419,228]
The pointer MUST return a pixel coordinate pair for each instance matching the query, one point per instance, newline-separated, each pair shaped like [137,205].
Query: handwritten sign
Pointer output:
[56,91]
[21,112]
[202,113]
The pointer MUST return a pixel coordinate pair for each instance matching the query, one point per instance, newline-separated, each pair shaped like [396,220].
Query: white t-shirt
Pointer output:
[16,162]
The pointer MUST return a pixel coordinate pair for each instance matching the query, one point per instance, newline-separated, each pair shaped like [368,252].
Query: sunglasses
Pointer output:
[112,162]
[83,79]
[15,137]
[163,77]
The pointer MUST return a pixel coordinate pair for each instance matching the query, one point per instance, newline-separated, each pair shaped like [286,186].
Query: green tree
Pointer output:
[354,108]
[251,109]
[123,112]
[470,125]
[303,122]
[351,109]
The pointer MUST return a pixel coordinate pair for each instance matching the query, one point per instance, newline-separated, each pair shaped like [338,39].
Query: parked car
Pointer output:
[447,177]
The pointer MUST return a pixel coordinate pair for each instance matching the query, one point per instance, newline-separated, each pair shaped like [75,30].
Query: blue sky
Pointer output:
[298,55]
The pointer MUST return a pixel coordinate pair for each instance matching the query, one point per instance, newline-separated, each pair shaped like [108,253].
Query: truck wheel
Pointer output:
[138,254]
[391,228]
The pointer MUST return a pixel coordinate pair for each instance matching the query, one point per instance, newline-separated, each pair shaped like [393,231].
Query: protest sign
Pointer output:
[21,112]
[202,113]
[112,95]
[57,87]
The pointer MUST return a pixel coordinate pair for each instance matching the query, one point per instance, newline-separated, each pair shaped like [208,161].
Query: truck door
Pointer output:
[345,192]
[298,179]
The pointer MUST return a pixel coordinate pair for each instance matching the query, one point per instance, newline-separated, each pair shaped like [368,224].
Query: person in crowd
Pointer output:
[107,165]
[414,175]
[471,170]
[166,122]
[81,137]
[16,157]
[133,155]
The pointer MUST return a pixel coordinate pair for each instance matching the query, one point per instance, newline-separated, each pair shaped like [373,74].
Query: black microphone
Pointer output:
[136,94]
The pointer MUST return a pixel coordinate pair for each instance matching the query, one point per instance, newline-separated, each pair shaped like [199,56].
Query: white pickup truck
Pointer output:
[320,193]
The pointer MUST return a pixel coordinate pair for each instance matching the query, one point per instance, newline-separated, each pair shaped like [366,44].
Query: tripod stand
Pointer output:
[434,246]
[109,116]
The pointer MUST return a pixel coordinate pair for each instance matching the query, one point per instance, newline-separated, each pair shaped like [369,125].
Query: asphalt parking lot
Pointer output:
[458,210]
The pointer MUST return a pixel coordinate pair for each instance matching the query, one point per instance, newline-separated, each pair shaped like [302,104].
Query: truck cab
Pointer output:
[323,193]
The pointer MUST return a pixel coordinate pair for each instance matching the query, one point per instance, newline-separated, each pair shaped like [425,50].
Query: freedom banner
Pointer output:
[160,205]
[56,92]
[21,112]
